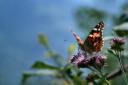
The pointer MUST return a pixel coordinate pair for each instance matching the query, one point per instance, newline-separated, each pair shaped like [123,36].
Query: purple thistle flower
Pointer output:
[117,43]
[100,60]
[78,58]
[119,39]
[81,60]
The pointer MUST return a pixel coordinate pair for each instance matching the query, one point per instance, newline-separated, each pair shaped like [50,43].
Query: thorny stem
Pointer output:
[102,75]
[121,66]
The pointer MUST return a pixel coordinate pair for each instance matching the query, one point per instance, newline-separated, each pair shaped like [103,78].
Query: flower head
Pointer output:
[117,44]
[81,60]
[100,60]
[78,58]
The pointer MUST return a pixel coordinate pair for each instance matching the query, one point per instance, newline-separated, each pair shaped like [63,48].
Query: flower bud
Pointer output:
[100,60]
[91,77]
[117,44]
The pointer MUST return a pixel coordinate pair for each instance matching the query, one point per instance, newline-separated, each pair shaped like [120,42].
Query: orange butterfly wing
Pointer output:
[94,41]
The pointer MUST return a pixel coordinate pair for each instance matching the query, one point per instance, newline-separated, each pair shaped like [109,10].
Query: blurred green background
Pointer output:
[21,21]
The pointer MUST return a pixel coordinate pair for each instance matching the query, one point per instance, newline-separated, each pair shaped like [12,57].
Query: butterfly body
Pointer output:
[94,41]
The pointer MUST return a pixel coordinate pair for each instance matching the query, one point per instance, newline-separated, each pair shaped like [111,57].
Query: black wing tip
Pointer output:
[100,25]
[101,22]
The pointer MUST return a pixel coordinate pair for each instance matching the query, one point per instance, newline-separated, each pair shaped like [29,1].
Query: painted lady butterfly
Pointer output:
[94,41]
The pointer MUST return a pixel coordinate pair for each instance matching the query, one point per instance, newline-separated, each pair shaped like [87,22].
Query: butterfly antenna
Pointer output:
[68,41]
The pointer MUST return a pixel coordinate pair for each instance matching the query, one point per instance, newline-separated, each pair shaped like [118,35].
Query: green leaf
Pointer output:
[108,38]
[100,81]
[28,74]
[49,53]
[121,30]
[43,39]
[111,51]
[71,48]
[42,65]
[25,77]
[124,16]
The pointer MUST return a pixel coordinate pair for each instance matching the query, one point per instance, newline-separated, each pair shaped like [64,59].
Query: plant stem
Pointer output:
[122,67]
[107,82]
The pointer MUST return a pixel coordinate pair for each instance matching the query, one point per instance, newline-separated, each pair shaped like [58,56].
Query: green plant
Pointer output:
[71,73]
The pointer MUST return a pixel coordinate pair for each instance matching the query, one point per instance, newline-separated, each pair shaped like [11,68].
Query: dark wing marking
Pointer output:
[94,41]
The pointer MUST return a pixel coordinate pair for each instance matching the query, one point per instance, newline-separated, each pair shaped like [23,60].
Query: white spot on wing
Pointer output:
[95,29]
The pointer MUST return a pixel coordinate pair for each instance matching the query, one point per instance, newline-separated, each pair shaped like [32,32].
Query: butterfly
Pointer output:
[94,41]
